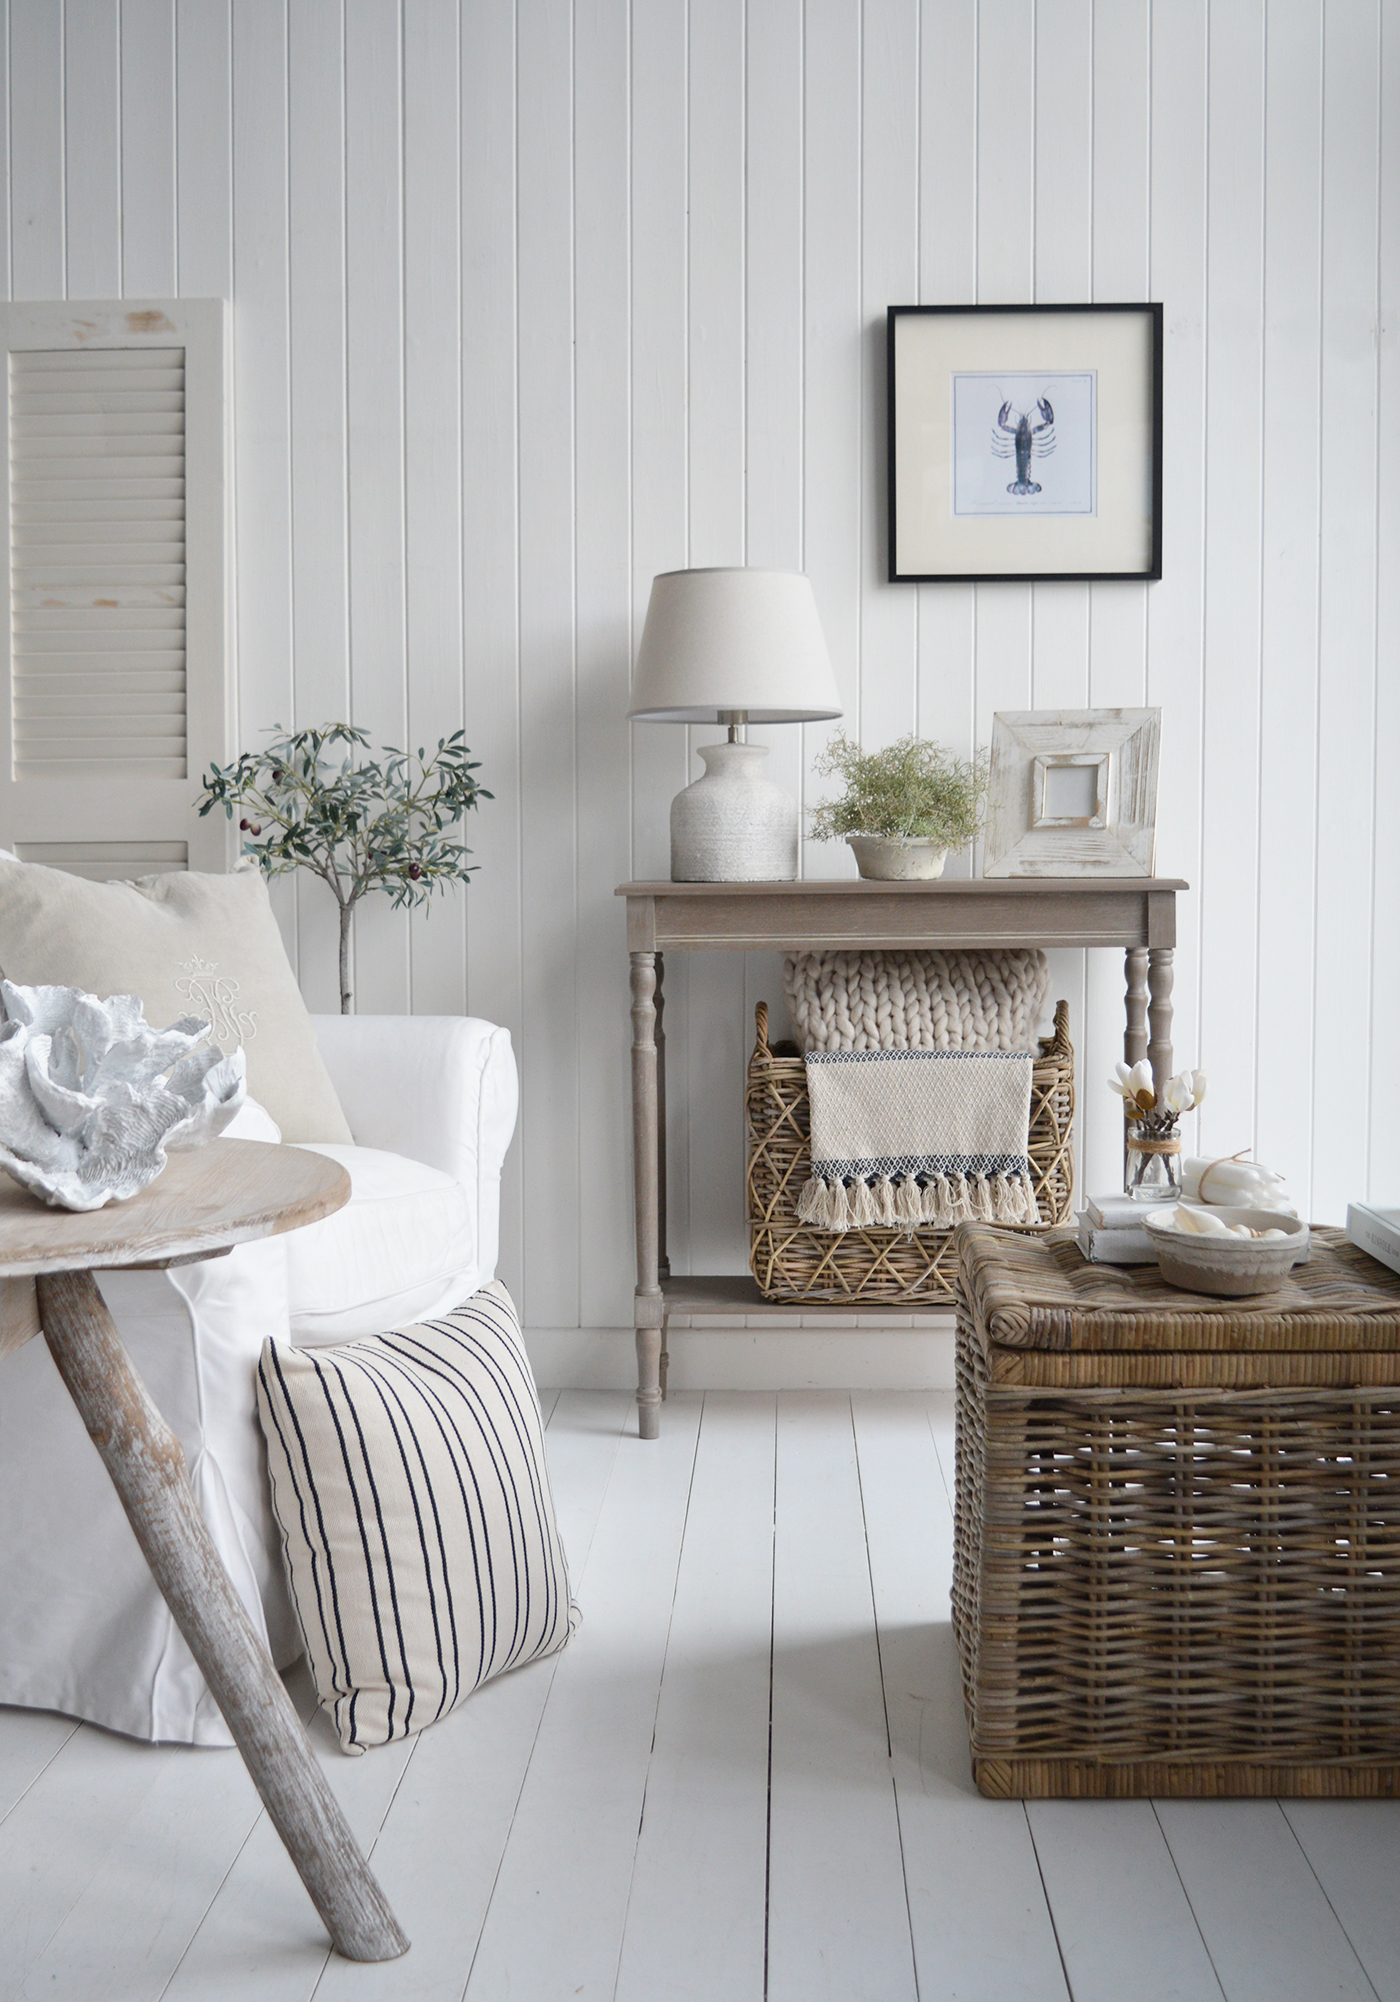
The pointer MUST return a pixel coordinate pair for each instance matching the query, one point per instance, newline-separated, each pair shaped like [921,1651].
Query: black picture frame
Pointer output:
[1102,518]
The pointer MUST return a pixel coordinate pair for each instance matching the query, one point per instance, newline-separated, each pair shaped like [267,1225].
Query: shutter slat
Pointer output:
[107,861]
[105,593]
[54,694]
[110,697]
[57,669]
[28,536]
[97,445]
[88,728]
[63,430]
[63,561]
[90,362]
[57,763]
[90,492]
[89,511]
[135,642]
[32,408]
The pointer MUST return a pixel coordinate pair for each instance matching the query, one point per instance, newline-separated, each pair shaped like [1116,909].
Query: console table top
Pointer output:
[863,886]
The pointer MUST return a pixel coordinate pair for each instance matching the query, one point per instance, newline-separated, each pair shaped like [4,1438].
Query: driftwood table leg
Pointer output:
[648,1308]
[147,1466]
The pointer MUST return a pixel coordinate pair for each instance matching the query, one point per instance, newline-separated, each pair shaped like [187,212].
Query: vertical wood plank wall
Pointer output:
[532,300]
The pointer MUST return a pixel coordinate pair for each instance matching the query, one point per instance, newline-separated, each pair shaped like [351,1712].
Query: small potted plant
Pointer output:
[903,808]
[307,802]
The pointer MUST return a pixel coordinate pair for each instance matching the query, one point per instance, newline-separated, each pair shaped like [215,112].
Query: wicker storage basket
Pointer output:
[793,1261]
[1177,1542]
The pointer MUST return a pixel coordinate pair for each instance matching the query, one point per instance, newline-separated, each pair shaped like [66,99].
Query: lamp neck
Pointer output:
[738,721]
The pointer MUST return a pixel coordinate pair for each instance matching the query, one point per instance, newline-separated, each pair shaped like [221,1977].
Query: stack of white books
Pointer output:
[1112,1232]
[1376,1230]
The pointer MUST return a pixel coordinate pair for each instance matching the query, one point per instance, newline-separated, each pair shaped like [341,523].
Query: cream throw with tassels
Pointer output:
[902,1138]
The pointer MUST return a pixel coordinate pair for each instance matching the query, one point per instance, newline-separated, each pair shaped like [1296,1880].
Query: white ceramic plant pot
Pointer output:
[897,858]
[733,825]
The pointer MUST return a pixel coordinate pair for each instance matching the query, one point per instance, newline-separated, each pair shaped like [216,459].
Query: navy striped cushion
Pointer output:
[408,1478]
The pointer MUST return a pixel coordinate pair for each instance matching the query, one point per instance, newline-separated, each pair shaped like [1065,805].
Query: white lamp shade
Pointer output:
[717,641]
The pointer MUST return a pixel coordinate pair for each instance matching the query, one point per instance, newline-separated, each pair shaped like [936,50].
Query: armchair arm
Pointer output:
[440,1089]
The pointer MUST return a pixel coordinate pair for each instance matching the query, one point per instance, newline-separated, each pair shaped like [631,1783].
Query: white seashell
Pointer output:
[92,1098]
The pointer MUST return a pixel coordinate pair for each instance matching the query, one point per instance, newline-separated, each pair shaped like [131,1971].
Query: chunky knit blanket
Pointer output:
[992,1000]
[908,1137]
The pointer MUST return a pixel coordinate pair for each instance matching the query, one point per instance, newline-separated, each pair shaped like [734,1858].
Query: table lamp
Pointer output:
[737,647]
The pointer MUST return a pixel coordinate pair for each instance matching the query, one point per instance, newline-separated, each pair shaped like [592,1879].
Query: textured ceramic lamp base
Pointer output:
[733,825]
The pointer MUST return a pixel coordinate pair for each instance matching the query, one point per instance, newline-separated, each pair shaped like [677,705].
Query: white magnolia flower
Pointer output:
[1135,1085]
[92,1097]
[1176,1093]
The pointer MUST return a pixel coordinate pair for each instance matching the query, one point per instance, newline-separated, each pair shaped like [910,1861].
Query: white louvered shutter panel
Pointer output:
[115,624]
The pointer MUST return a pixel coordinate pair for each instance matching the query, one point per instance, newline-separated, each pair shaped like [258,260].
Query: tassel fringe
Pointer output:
[942,1201]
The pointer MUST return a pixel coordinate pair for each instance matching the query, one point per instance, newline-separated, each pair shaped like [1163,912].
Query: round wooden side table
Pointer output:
[203,1204]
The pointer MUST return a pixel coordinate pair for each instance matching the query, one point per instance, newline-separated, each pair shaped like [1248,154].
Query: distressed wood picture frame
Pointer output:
[1073,793]
[1025,442]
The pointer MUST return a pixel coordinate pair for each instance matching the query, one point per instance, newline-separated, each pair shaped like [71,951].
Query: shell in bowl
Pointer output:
[1228,1266]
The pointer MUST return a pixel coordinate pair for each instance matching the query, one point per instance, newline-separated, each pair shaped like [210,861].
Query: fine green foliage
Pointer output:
[913,788]
[307,803]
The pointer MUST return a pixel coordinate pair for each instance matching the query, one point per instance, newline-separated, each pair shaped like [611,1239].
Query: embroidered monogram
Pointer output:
[215,996]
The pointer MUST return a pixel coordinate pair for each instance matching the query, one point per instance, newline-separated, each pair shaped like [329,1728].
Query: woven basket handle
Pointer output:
[760,1023]
[1058,1043]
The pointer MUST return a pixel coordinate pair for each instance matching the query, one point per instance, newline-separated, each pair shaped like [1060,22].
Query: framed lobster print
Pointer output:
[1025,442]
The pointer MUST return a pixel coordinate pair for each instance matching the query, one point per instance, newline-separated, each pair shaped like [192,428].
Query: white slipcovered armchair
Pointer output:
[431,1102]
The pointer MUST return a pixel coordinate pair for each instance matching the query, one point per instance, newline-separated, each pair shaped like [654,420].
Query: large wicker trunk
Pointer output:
[1177,1540]
[793,1261]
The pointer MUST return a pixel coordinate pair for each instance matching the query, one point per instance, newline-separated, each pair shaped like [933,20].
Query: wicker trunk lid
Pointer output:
[1177,1555]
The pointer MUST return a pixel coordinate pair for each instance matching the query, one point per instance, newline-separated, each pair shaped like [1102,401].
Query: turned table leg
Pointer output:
[147,1466]
[649,1308]
[1135,1031]
[1160,977]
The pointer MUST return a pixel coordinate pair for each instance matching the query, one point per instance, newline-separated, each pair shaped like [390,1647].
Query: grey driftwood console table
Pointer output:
[1135,913]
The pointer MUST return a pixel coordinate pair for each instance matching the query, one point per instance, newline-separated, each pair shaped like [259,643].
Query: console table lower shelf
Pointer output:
[733,1299]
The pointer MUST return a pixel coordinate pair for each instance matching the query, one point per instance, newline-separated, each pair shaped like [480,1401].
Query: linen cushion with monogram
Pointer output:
[186,944]
[409,1479]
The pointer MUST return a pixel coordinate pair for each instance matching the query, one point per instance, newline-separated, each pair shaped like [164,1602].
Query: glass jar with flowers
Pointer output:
[1153,1164]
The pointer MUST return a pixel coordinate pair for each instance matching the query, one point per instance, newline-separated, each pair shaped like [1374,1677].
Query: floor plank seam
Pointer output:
[1282,1807]
[1195,1920]
[1049,1907]
[57,1752]
[938,1455]
[215,1896]
[389,1804]
[772,1644]
[885,1705]
[660,1685]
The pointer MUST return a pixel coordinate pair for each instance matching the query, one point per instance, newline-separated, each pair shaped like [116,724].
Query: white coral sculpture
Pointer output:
[92,1098]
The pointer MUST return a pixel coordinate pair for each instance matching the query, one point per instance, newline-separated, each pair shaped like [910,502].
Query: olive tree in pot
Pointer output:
[307,803]
[903,808]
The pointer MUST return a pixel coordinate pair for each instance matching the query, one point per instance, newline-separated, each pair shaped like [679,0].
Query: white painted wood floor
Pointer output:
[747,1777]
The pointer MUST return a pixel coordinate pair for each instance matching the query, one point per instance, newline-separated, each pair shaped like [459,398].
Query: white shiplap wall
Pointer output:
[532,301]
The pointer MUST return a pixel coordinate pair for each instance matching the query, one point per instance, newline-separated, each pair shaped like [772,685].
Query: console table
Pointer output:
[1135,913]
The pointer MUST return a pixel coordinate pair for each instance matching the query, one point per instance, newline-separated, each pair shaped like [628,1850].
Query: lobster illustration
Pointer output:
[1026,440]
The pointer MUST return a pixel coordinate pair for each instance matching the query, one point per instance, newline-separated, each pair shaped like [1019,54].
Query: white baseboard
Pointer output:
[773,1358]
